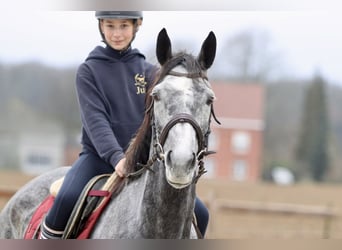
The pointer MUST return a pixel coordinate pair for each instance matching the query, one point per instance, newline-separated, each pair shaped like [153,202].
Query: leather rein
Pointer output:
[160,139]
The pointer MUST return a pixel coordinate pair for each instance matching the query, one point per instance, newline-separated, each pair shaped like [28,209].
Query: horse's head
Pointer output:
[182,105]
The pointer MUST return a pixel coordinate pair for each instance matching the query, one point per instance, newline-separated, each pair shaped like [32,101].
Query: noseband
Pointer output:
[183,118]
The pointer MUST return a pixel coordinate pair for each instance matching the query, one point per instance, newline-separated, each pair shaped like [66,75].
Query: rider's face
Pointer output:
[118,33]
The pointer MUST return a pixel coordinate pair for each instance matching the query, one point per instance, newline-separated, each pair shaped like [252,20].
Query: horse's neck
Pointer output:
[166,207]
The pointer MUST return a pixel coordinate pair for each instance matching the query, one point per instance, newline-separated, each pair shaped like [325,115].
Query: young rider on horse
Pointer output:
[111,86]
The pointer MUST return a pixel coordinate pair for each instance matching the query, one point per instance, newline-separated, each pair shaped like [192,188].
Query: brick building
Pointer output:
[238,140]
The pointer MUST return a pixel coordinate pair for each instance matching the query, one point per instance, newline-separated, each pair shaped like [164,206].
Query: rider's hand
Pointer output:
[120,168]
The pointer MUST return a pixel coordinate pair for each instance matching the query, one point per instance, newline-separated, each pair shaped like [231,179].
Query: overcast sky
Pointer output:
[308,40]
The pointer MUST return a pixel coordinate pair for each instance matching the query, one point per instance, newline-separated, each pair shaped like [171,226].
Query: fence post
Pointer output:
[327,223]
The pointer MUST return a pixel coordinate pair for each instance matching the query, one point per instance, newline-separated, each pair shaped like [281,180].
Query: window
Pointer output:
[241,142]
[36,159]
[239,170]
[213,143]
[209,167]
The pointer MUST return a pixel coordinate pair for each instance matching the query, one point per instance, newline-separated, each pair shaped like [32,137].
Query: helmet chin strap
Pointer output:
[125,49]
[136,24]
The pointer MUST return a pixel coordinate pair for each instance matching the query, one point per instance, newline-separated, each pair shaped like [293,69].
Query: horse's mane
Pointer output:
[139,148]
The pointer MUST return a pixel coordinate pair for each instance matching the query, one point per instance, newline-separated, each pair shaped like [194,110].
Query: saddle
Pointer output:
[93,199]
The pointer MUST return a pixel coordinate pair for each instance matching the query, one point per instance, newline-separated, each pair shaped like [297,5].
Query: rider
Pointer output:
[111,86]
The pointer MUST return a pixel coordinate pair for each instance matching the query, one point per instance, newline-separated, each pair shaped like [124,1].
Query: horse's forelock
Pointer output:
[188,61]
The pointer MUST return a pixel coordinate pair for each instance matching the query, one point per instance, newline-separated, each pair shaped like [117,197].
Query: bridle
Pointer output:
[160,138]
[182,118]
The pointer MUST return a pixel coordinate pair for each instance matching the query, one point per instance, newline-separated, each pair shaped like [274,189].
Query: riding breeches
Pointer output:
[87,166]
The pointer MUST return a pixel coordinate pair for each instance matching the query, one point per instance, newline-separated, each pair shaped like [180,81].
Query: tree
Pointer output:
[251,56]
[312,147]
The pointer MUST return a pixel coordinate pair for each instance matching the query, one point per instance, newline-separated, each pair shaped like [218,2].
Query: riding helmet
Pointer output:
[119,14]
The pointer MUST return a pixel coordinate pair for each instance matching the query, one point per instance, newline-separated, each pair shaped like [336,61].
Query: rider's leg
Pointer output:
[86,167]
[202,216]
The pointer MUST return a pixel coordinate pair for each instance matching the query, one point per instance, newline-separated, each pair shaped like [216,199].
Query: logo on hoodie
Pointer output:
[140,83]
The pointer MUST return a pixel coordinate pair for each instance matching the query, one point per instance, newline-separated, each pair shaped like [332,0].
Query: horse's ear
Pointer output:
[163,49]
[208,51]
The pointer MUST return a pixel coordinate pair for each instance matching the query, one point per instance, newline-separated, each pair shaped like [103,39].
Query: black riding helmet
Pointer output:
[136,16]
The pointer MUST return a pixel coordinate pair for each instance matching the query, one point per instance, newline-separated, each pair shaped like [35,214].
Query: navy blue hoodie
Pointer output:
[111,88]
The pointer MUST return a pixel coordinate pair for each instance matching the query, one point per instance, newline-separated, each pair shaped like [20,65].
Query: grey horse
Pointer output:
[169,145]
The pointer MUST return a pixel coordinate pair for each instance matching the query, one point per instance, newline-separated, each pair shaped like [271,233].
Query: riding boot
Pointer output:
[47,233]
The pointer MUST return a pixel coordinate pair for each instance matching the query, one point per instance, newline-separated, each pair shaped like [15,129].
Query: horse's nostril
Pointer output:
[190,161]
[193,162]
[168,158]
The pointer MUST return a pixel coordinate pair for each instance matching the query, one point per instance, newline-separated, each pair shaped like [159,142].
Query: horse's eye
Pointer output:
[210,100]
[155,97]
